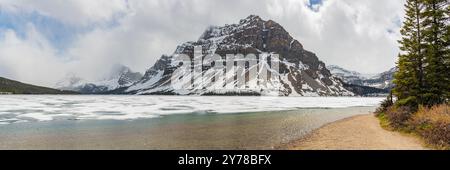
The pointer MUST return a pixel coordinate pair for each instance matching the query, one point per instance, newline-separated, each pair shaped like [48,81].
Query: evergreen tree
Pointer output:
[447,54]
[436,50]
[435,25]
[409,79]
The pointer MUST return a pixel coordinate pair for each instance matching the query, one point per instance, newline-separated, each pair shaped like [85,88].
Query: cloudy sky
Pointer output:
[43,41]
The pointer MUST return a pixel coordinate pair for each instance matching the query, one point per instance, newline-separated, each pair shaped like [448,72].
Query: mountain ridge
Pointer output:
[119,76]
[382,80]
[9,86]
[301,72]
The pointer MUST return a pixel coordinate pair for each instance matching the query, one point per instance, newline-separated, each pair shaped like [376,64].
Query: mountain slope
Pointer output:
[300,72]
[380,81]
[120,76]
[15,87]
[348,76]
[383,80]
[365,90]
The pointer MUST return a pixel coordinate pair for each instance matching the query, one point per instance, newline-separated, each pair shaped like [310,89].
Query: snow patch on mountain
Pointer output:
[120,76]
[300,72]
[381,80]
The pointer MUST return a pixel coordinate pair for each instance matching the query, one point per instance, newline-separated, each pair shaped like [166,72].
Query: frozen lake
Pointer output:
[34,108]
[167,122]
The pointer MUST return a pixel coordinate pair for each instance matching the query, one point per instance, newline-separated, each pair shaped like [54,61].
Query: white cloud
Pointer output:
[349,33]
[353,34]
[74,12]
[31,59]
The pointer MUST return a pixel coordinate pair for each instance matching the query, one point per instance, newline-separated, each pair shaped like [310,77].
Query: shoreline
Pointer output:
[361,132]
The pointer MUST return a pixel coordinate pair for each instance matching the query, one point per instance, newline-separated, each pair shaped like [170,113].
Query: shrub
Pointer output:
[398,116]
[410,102]
[433,124]
[385,104]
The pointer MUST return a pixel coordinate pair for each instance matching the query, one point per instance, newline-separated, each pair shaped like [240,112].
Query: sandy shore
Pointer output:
[356,133]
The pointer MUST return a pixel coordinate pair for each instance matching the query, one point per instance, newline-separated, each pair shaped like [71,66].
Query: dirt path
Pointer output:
[355,133]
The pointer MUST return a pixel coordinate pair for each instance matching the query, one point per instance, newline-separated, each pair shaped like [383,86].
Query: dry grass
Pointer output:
[433,124]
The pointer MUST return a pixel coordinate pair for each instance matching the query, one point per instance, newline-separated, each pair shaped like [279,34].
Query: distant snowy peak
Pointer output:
[70,81]
[341,72]
[301,73]
[75,83]
[120,76]
[386,75]
[381,80]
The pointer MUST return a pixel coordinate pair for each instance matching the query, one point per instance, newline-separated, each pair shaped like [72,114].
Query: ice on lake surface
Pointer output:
[167,122]
[32,108]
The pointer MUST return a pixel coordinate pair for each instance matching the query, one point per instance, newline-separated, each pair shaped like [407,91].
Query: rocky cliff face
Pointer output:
[300,72]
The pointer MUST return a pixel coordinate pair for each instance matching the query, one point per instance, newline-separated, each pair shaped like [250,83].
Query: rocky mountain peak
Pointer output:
[301,72]
[250,18]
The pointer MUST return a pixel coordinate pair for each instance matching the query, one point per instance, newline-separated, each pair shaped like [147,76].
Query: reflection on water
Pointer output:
[205,130]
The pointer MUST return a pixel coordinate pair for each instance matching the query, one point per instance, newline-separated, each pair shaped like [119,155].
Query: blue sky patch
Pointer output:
[58,33]
[312,3]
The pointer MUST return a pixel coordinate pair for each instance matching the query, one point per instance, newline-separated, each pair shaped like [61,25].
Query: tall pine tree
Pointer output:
[409,79]
[447,54]
[435,29]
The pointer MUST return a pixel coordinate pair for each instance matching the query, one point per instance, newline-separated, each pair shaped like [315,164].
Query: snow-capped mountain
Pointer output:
[120,76]
[300,72]
[381,80]
[348,75]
